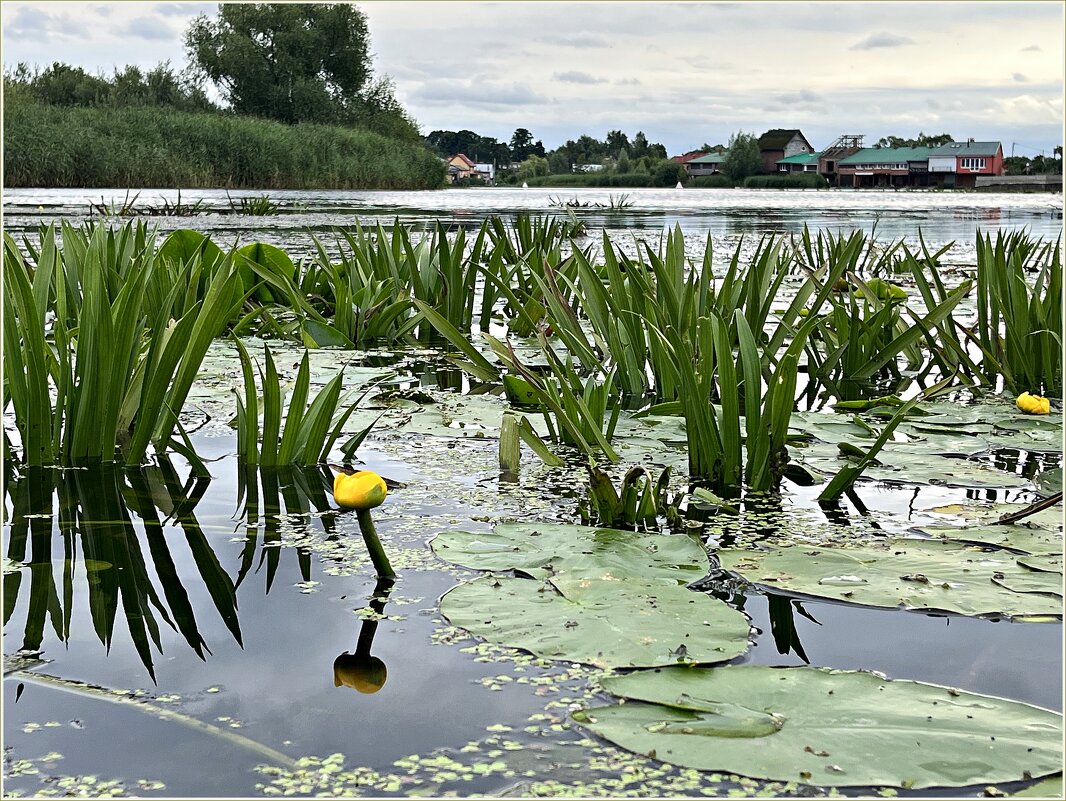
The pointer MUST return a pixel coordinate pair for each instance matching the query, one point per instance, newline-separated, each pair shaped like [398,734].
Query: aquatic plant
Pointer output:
[1019,312]
[112,383]
[309,431]
[257,206]
[639,501]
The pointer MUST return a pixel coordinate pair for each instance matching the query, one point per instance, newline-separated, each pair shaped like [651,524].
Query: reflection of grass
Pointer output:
[94,510]
[268,493]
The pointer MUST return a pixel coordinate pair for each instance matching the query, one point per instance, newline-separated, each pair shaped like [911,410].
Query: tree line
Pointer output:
[293,63]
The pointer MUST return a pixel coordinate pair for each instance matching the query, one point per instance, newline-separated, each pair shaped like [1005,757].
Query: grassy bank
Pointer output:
[150,147]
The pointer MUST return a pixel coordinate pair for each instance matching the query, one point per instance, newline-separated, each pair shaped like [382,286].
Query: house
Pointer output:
[460,167]
[957,164]
[885,167]
[780,143]
[486,172]
[802,162]
[687,157]
[710,164]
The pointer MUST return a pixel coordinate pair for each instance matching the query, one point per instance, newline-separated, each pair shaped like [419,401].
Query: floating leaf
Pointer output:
[544,549]
[915,574]
[827,727]
[603,622]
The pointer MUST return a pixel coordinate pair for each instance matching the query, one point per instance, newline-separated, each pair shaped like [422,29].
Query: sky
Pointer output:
[684,73]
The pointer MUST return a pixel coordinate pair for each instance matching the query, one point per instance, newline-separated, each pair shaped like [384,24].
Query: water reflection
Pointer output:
[362,671]
[131,538]
[94,512]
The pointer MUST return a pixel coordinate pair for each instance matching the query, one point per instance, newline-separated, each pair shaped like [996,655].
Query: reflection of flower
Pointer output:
[364,673]
[362,490]
[1033,404]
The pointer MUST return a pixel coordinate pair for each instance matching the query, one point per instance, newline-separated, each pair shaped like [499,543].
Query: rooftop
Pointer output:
[886,155]
[967,149]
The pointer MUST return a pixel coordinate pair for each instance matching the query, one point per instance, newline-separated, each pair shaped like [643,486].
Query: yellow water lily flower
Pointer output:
[362,490]
[1033,404]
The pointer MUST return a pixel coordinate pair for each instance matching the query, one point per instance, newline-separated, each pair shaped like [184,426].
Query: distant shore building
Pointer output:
[781,143]
[460,167]
[955,165]
[803,162]
[709,164]
[965,161]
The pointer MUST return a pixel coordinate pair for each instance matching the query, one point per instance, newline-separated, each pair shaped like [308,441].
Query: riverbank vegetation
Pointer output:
[304,112]
[148,146]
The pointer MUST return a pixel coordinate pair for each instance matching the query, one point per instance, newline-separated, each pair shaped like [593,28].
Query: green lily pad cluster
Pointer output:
[596,596]
[827,727]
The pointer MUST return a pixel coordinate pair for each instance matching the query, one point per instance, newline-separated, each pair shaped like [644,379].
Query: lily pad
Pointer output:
[609,623]
[1020,537]
[827,727]
[1048,788]
[915,574]
[543,549]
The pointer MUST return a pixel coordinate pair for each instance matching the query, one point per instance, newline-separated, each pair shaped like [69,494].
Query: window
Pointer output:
[973,164]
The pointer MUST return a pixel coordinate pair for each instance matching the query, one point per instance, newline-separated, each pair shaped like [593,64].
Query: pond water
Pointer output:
[165,636]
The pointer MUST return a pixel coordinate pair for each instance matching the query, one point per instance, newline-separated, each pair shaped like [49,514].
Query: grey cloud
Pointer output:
[881,40]
[629,82]
[482,94]
[573,76]
[103,11]
[31,21]
[150,28]
[1032,49]
[1019,77]
[802,97]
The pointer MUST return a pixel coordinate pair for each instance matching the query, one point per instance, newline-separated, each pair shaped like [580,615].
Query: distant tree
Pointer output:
[668,173]
[623,161]
[922,140]
[290,62]
[640,145]
[742,158]
[557,163]
[617,142]
[706,148]
[522,145]
[532,167]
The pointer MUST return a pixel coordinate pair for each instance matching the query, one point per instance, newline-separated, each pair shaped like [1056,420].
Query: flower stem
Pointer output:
[373,545]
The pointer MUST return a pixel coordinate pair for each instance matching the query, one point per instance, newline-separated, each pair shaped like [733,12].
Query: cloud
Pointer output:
[1032,49]
[183,9]
[484,94]
[801,98]
[876,40]
[629,82]
[574,40]
[32,22]
[149,28]
[1019,77]
[573,76]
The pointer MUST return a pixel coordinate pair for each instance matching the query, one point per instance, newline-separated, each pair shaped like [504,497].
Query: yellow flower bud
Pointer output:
[1033,404]
[362,490]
